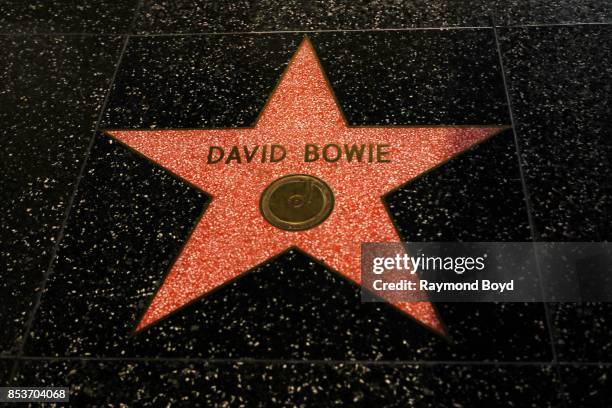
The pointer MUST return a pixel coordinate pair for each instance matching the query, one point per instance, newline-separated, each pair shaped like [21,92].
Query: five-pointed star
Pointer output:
[232,236]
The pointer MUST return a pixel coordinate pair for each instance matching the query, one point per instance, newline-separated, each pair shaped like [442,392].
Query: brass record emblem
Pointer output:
[296,202]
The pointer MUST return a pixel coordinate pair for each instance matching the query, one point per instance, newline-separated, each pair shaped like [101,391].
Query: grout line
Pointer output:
[555,24]
[65,34]
[200,360]
[297,30]
[60,235]
[244,360]
[529,208]
[12,373]
[351,30]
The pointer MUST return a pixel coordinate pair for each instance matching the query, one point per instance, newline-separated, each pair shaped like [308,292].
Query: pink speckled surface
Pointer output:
[233,237]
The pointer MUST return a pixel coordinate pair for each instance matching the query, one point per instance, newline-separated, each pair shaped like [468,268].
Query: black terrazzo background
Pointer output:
[297,384]
[184,16]
[52,89]
[64,16]
[454,76]
[587,385]
[218,81]
[562,118]
[5,370]
[275,336]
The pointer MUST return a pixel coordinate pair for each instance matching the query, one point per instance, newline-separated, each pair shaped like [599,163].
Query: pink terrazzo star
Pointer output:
[233,236]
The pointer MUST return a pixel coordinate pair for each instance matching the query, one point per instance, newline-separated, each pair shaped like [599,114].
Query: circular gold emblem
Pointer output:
[296,202]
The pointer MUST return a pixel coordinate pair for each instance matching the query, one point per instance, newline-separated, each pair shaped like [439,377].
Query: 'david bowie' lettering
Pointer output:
[274,153]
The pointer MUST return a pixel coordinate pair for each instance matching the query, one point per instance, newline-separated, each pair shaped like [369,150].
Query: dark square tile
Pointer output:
[149,383]
[107,16]
[559,83]
[52,91]
[587,386]
[131,218]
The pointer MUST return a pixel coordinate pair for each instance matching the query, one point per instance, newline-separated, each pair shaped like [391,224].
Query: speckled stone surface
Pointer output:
[588,386]
[493,386]
[52,90]
[297,384]
[224,81]
[272,15]
[583,331]
[292,332]
[429,209]
[560,81]
[409,78]
[162,16]
[531,12]
[115,232]
[218,81]
[5,371]
[433,208]
[62,16]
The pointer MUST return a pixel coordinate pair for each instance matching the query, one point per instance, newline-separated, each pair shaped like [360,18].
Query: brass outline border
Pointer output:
[444,334]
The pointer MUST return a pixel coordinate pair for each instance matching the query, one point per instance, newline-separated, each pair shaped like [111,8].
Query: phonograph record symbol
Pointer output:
[299,177]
